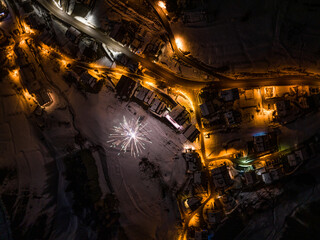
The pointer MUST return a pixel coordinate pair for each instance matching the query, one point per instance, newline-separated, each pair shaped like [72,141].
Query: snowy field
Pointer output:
[254,36]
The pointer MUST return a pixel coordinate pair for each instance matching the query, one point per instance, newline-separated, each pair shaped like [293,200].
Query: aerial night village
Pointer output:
[159,120]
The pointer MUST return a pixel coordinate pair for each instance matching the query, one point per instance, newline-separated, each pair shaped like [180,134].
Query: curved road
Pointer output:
[166,74]
[163,18]
[104,38]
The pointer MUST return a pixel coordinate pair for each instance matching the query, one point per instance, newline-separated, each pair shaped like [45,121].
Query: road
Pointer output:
[101,37]
[169,77]
[164,20]
[174,80]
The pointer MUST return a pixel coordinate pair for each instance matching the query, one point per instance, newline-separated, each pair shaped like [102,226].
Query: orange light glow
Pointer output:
[162,4]
[179,43]
[95,66]
[150,84]
[27,95]
[14,75]
[94,73]
[10,52]
[219,162]
[185,95]
[64,62]
[27,29]
[194,221]
[22,42]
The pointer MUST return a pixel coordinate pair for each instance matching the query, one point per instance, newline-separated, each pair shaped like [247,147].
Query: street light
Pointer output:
[179,43]
[162,4]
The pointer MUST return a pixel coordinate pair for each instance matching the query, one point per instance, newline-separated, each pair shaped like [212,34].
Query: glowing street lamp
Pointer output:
[162,4]
[179,43]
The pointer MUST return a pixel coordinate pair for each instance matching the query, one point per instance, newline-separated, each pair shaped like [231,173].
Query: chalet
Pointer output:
[265,142]
[200,179]
[232,117]
[145,95]
[276,173]
[229,202]
[215,216]
[313,101]
[297,157]
[157,106]
[283,108]
[266,177]
[250,177]
[42,96]
[73,35]
[230,95]
[208,108]
[125,87]
[178,117]
[150,99]
[221,177]
[22,59]
[191,133]
[201,235]
[192,203]
[88,79]
[292,160]
[35,22]
[193,161]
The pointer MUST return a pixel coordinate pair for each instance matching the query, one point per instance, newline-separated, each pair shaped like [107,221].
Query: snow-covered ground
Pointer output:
[251,36]
[143,209]
[22,150]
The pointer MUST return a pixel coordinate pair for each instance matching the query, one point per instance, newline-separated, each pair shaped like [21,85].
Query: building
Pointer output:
[230,95]
[88,50]
[229,202]
[200,179]
[221,177]
[201,235]
[42,96]
[266,177]
[193,161]
[88,79]
[250,177]
[314,101]
[208,108]
[265,142]
[118,32]
[292,160]
[35,22]
[192,203]
[215,216]
[191,133]
[276,173]
[150,99]
[302,154]
[73,35]
[125,87]
[157,107]
[145,95]
[297,157]
[33,84]
[178,117]
[22,59]
[283,108]
[232,117]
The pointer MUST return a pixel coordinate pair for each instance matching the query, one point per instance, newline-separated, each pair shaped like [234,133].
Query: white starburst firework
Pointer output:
[130,136]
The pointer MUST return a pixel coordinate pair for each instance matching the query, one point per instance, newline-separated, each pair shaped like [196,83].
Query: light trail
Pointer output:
[130,136]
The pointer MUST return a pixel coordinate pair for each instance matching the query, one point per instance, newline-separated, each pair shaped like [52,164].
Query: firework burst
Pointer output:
[130,136]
